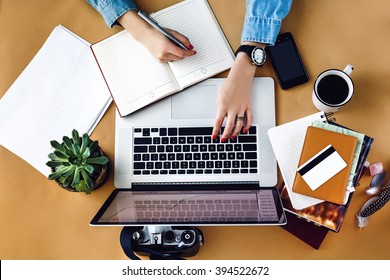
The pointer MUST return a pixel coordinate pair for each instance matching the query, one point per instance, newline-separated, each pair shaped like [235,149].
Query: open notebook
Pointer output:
[135,78]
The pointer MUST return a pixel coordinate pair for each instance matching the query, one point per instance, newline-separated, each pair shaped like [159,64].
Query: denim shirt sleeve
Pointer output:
[263,19]
[111,10]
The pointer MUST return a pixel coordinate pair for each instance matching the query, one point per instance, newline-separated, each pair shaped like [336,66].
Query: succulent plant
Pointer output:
[76,162]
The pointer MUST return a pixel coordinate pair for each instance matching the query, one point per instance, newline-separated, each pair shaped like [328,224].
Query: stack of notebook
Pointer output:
[327,164]
[320,175]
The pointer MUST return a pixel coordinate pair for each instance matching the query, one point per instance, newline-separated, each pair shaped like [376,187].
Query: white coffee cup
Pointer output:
[333,89]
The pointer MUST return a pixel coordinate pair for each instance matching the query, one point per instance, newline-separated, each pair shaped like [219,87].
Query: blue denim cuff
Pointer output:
[112,10]
[262,30]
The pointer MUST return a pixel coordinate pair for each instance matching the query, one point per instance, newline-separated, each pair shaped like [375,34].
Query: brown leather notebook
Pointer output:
[316,140]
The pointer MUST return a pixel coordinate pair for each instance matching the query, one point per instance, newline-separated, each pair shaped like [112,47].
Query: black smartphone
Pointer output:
[287,62]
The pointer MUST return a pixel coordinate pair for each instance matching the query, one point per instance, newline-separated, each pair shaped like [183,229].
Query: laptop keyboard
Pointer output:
[191,150]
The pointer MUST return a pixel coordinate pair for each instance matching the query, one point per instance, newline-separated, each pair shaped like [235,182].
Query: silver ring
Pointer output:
[239,118]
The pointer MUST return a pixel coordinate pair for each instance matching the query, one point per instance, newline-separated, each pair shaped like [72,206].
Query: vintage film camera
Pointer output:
[161,242]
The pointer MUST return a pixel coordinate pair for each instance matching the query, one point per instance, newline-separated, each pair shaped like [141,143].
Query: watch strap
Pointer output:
[248,49]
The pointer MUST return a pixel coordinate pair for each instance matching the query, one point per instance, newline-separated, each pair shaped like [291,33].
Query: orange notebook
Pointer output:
[317,140]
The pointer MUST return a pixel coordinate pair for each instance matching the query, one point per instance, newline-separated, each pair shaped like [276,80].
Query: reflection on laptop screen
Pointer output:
[190,207]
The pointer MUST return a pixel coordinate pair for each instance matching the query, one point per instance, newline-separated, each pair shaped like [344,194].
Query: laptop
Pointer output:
[169,171]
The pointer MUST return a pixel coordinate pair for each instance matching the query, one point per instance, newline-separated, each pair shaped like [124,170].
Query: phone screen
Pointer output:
[287,62]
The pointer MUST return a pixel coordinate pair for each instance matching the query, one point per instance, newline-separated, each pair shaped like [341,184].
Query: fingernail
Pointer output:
[223,139]
[232,138]
[245,130]
[214,137]
[190,47]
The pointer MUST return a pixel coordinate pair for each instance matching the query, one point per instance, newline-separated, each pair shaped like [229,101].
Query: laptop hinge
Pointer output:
[251,185]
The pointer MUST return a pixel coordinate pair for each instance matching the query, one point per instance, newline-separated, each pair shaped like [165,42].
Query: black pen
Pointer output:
[154,23]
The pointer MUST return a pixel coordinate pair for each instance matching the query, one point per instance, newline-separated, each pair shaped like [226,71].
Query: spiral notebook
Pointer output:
[287,142]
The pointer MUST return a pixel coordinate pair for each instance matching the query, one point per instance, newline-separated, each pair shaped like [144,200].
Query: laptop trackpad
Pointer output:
[195,103]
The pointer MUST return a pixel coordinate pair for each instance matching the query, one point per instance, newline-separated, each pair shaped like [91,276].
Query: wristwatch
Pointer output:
[256,54]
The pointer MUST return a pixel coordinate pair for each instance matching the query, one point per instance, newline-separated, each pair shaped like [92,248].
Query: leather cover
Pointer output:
[316,139]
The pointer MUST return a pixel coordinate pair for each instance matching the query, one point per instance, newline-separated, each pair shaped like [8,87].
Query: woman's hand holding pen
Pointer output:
[158,45]
[162,48]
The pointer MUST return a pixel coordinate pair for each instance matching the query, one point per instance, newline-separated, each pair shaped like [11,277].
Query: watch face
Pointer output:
[258,56]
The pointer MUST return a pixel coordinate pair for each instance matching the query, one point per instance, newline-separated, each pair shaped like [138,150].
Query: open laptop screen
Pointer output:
[196,207]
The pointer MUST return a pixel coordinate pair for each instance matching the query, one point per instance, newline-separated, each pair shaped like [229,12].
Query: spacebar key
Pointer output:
[195,131]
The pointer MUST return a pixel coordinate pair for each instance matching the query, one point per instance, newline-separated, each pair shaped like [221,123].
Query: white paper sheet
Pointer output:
[60,89]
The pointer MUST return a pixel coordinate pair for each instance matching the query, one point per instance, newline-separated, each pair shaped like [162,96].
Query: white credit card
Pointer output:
[321,167]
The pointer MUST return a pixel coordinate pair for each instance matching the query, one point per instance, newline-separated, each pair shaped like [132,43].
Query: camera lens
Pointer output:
[169,236]
[187,237]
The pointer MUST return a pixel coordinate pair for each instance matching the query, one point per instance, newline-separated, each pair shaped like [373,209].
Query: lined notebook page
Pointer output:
[135,78]
[126,64]
[196,21]
[287,142]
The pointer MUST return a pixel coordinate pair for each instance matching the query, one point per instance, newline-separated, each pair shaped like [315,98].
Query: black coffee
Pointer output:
[333,89]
